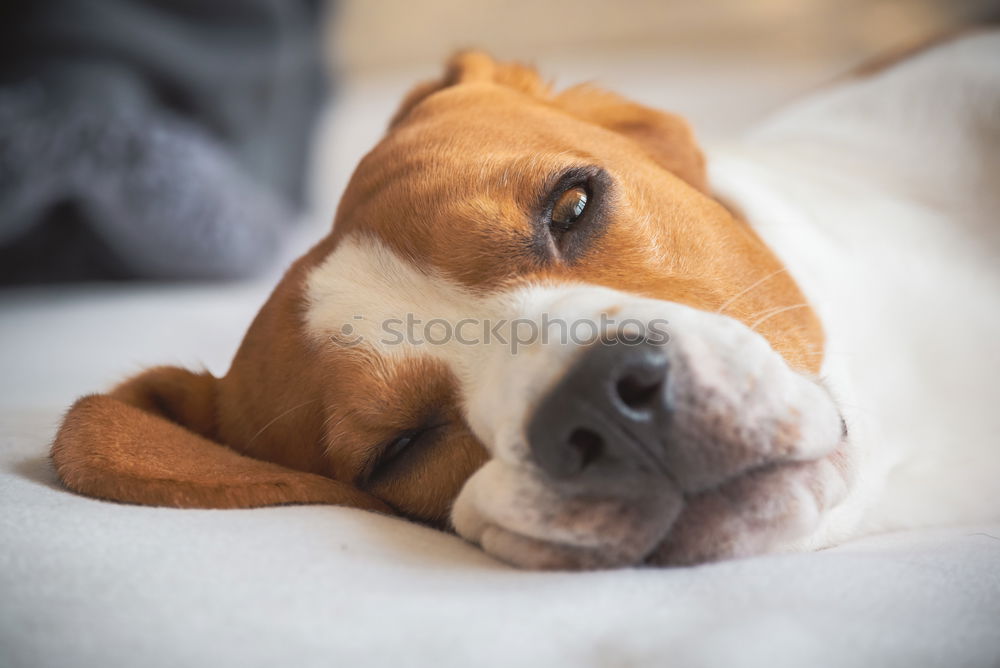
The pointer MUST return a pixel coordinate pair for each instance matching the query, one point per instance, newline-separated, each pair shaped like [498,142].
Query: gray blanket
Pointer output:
[158,138]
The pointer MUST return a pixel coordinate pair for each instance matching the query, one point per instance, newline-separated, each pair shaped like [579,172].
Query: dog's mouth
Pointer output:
[766,508]
[770,507]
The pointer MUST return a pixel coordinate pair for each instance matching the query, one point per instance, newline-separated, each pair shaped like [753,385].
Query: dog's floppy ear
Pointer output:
[150,441]
[470,67]
[667,138]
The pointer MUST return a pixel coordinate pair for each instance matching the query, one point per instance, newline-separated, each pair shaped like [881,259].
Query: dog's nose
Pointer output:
[608,413]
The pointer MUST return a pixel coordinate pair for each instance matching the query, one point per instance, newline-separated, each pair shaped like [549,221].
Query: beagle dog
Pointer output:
[540,320]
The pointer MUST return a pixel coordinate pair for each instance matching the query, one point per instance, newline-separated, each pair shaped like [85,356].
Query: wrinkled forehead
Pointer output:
[456,187]
[475,131]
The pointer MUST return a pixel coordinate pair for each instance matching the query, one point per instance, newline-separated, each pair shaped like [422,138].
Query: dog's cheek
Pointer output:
[737,407]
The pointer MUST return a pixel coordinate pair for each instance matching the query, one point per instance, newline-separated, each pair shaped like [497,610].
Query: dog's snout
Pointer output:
[607,414]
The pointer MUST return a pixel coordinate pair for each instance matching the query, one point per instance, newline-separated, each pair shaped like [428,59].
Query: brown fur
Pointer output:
[111,450]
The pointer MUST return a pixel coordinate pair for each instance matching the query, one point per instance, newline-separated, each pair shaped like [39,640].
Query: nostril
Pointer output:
[608,414]
[588,444]
[636,392]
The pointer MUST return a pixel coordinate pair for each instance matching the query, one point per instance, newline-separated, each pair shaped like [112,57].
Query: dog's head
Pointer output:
[532,320]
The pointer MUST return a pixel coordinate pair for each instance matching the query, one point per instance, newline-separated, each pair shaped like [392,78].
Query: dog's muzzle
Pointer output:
[620,451]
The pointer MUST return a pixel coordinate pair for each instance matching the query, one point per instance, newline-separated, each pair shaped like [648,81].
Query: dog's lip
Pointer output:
[769,465]
[759,475]
[764,467]
[755,470]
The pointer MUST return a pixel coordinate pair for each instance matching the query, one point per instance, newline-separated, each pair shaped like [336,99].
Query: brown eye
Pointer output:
[568,208]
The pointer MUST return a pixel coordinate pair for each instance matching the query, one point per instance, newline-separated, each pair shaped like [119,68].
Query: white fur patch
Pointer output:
[363,294]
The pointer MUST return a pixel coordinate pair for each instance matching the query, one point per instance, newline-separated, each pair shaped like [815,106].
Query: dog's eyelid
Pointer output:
[576,176]
[392,448]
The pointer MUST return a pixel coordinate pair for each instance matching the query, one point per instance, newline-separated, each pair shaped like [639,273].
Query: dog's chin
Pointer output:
[523,520]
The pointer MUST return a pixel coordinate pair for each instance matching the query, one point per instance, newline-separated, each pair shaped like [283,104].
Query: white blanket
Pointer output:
[90,583]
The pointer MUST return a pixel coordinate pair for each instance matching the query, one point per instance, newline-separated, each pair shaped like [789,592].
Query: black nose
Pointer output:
[608,413]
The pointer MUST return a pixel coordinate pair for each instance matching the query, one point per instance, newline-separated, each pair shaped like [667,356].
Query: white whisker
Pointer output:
[278,417]
[773,312]
[747,289]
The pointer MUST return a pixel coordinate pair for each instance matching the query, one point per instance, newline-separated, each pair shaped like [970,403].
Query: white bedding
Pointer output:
[89,583]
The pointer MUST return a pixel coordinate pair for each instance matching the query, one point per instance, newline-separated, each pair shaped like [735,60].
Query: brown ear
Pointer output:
[149,442]
[667,138]
[470,67]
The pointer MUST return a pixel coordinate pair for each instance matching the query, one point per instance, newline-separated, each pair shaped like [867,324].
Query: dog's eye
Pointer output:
[568,208]
[398,446]
[575,209]
[402,443]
